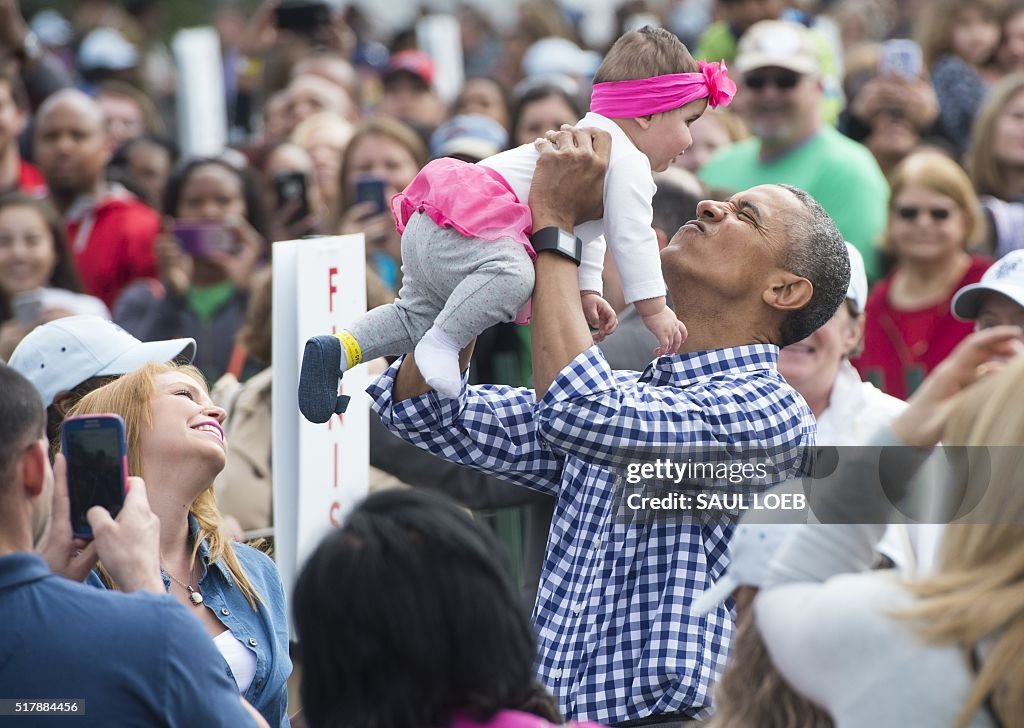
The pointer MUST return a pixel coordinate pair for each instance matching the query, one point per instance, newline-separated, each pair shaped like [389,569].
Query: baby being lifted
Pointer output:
[467,260]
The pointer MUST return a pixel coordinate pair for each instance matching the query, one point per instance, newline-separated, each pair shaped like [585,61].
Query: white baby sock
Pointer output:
[437,356]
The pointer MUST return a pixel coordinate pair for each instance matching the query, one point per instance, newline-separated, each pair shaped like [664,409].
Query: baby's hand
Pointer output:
[600,315]
[670,331]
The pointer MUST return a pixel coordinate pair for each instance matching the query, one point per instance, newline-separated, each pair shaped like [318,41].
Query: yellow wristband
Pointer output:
[353,352]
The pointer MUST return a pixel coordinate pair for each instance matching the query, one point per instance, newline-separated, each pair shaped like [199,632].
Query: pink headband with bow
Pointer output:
[645,96]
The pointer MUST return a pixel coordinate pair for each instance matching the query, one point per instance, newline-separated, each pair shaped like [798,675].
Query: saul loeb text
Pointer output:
[716,484]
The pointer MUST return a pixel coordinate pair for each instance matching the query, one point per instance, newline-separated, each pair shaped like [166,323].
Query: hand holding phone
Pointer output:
[129,546]
[96,452]
[372,189]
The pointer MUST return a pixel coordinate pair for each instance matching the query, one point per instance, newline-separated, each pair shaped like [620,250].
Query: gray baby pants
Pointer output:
[461,284]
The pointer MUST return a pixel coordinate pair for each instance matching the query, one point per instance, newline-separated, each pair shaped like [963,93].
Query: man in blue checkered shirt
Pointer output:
[617,641]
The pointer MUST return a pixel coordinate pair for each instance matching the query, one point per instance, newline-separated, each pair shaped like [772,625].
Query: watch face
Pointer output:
[567,242]
[560,241]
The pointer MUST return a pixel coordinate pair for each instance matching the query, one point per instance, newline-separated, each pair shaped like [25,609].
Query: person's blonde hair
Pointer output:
[935,28]
[982,166]
[378,126]
[131,397]
[313,123]
[978,590]
[933,170]
[752,693]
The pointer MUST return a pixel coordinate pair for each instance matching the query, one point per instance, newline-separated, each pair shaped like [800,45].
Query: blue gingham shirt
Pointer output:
[616,639]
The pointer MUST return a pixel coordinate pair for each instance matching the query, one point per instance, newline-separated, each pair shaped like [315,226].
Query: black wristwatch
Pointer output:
[560,241]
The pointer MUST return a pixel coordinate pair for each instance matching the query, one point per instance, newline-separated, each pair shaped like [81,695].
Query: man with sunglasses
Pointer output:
[780,98]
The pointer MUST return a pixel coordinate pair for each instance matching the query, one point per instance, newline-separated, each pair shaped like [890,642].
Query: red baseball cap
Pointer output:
[413,61]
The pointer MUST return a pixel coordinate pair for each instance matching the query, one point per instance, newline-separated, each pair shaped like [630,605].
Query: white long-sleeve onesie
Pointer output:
[628,193]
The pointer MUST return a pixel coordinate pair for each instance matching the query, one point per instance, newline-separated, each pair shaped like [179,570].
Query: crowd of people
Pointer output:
[730,228]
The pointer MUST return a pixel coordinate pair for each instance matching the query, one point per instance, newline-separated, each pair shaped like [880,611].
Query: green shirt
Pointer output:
[205,301]
[838,172]
[717,43]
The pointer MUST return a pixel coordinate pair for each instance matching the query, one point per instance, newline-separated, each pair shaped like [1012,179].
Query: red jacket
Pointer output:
[30,180]
[112,243]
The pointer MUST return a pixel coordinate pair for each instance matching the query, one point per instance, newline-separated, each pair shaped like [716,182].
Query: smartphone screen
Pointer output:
[94,447]
[291,186]
[900,57]
[302,15]
[199,239]
[371,189]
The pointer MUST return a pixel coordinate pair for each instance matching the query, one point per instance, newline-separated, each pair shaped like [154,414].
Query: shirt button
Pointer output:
[225,611]
[598,542]
[252,641]
[577,608]
[556,674]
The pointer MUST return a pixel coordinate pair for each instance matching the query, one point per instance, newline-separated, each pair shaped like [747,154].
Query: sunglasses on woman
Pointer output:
[908,213]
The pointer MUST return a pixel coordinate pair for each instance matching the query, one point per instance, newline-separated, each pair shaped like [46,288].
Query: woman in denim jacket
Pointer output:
[176,442]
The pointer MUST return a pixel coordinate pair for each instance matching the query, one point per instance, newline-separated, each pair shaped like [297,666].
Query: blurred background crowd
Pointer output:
[904,118]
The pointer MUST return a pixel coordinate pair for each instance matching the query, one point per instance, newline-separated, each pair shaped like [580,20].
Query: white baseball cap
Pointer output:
[751,550]
[58,356]
[559,56]
[778,43]
[858,290]
[1006,276]
[106,49]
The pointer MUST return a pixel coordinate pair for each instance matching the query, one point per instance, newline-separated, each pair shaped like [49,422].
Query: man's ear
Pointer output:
[33,466]
[788,292]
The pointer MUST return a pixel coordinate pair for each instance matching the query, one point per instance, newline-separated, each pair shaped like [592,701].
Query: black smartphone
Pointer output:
[291,186]
[302,16]
[371,189]
[97,456]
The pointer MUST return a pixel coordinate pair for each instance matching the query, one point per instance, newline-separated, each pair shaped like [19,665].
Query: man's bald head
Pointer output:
[71,144]
[76,102]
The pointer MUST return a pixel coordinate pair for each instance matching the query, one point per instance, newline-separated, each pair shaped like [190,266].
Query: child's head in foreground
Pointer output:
[654,89]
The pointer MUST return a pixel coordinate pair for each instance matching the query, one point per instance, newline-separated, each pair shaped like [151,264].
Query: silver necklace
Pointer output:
[193,594]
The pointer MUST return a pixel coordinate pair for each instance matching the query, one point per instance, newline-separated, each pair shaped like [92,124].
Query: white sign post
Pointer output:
[320,471]
[439,36]
[202,113]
